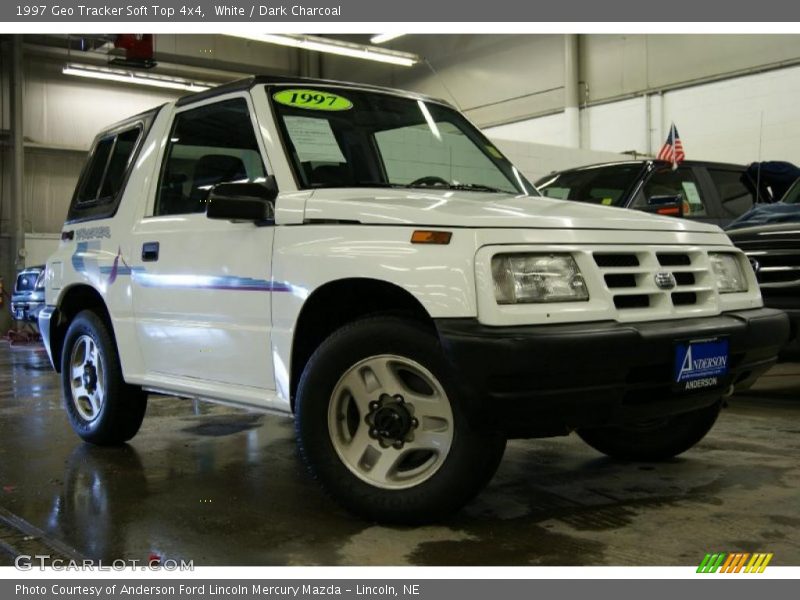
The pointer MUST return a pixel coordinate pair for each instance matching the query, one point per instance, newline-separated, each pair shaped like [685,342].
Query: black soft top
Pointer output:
[249,82]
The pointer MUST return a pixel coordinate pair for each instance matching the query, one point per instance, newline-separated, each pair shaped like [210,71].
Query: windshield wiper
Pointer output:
[470,187]
[476,187]
[359,184]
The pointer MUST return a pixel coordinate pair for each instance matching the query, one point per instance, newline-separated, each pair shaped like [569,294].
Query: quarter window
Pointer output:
[207,146]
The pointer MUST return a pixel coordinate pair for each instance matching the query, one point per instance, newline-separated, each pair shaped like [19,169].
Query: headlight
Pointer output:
[728,271]
[525,278]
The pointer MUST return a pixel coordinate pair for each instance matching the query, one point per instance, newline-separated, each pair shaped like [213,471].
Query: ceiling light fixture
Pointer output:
[384,37]
[331,46]
[126,76]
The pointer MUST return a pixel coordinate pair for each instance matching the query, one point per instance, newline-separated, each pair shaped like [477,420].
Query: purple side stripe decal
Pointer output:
[208,282]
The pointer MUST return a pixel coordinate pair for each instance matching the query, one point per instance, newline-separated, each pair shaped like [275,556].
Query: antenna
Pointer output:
[758,170]
[444,85]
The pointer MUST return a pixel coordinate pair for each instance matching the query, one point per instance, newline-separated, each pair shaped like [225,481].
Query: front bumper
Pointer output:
[792,350]
[45,316]
[544,380]
[26,309]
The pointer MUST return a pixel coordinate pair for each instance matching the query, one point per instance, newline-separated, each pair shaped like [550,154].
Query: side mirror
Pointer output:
[244,201]
[671,206]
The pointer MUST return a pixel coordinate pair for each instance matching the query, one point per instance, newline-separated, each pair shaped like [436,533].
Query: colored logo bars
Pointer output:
[735,562]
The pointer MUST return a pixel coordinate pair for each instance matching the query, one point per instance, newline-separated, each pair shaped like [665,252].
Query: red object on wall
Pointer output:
[138,46]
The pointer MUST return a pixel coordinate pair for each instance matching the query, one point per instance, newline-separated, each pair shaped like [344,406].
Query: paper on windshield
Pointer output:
[313,140]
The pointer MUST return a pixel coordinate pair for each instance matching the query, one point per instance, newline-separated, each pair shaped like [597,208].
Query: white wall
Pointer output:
[39,247]
[537,160]
[722,121]
[716,121]
[551,129]
[63,112]
[69,111]
[600,130]
[616,127]
[498,79]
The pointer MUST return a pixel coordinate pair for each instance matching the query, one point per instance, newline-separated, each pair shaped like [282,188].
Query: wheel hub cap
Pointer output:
[89,377]
[391,421]
[86,378]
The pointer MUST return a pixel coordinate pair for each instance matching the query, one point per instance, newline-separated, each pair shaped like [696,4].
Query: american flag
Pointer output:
[672,150]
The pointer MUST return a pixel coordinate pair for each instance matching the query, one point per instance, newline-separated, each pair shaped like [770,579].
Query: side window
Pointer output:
[736,196]
[666,182]
[208,145]
[108,166]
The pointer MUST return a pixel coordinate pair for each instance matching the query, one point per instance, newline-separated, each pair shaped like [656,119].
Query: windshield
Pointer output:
[605,185]
[785,211]
[792,194]
[341,137]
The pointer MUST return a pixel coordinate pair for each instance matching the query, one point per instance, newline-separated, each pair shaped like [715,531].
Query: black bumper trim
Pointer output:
[542,380]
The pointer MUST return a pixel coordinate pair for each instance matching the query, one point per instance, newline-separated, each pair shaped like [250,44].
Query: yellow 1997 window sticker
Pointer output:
[312,99]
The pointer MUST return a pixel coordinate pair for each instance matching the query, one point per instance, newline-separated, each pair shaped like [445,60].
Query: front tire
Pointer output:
[653,441]
[101,407]
[380,424]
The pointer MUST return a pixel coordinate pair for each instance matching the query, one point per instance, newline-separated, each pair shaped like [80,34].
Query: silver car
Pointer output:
[27,299]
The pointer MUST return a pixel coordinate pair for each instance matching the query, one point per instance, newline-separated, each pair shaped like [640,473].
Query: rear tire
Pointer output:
[380,425]
[101,407]
[653,441]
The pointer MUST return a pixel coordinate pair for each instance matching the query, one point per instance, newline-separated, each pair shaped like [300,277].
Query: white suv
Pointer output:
[366,260]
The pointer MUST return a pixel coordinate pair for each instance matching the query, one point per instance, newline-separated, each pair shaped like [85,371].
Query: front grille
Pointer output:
[620,280]
[672,259]
[782,259]
[632,301]
[633,278]
[777,267]
[684,298]
[604,259]
[778,275]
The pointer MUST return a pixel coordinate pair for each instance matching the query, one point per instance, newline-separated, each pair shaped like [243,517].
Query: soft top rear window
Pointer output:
[103,179]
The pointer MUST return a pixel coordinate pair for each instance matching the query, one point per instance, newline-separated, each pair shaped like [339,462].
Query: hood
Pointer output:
[778,175]
[449,208]
[771,234]
[765,214]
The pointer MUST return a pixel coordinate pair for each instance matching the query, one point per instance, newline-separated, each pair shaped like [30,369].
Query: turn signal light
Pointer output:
[431,237]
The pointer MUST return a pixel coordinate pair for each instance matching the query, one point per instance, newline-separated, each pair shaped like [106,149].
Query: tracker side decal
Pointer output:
[85,261]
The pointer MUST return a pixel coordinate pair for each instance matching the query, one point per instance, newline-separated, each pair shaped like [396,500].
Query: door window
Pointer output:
[666,182]
[735,192]
[208,145]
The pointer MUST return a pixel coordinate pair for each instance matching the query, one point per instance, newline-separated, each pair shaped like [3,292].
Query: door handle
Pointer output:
[150,251]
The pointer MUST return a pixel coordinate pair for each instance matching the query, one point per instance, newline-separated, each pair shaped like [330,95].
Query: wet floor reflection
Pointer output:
[225,487]
[95,499]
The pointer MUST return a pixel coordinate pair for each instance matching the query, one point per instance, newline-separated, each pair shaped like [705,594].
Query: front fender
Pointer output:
[440,277]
